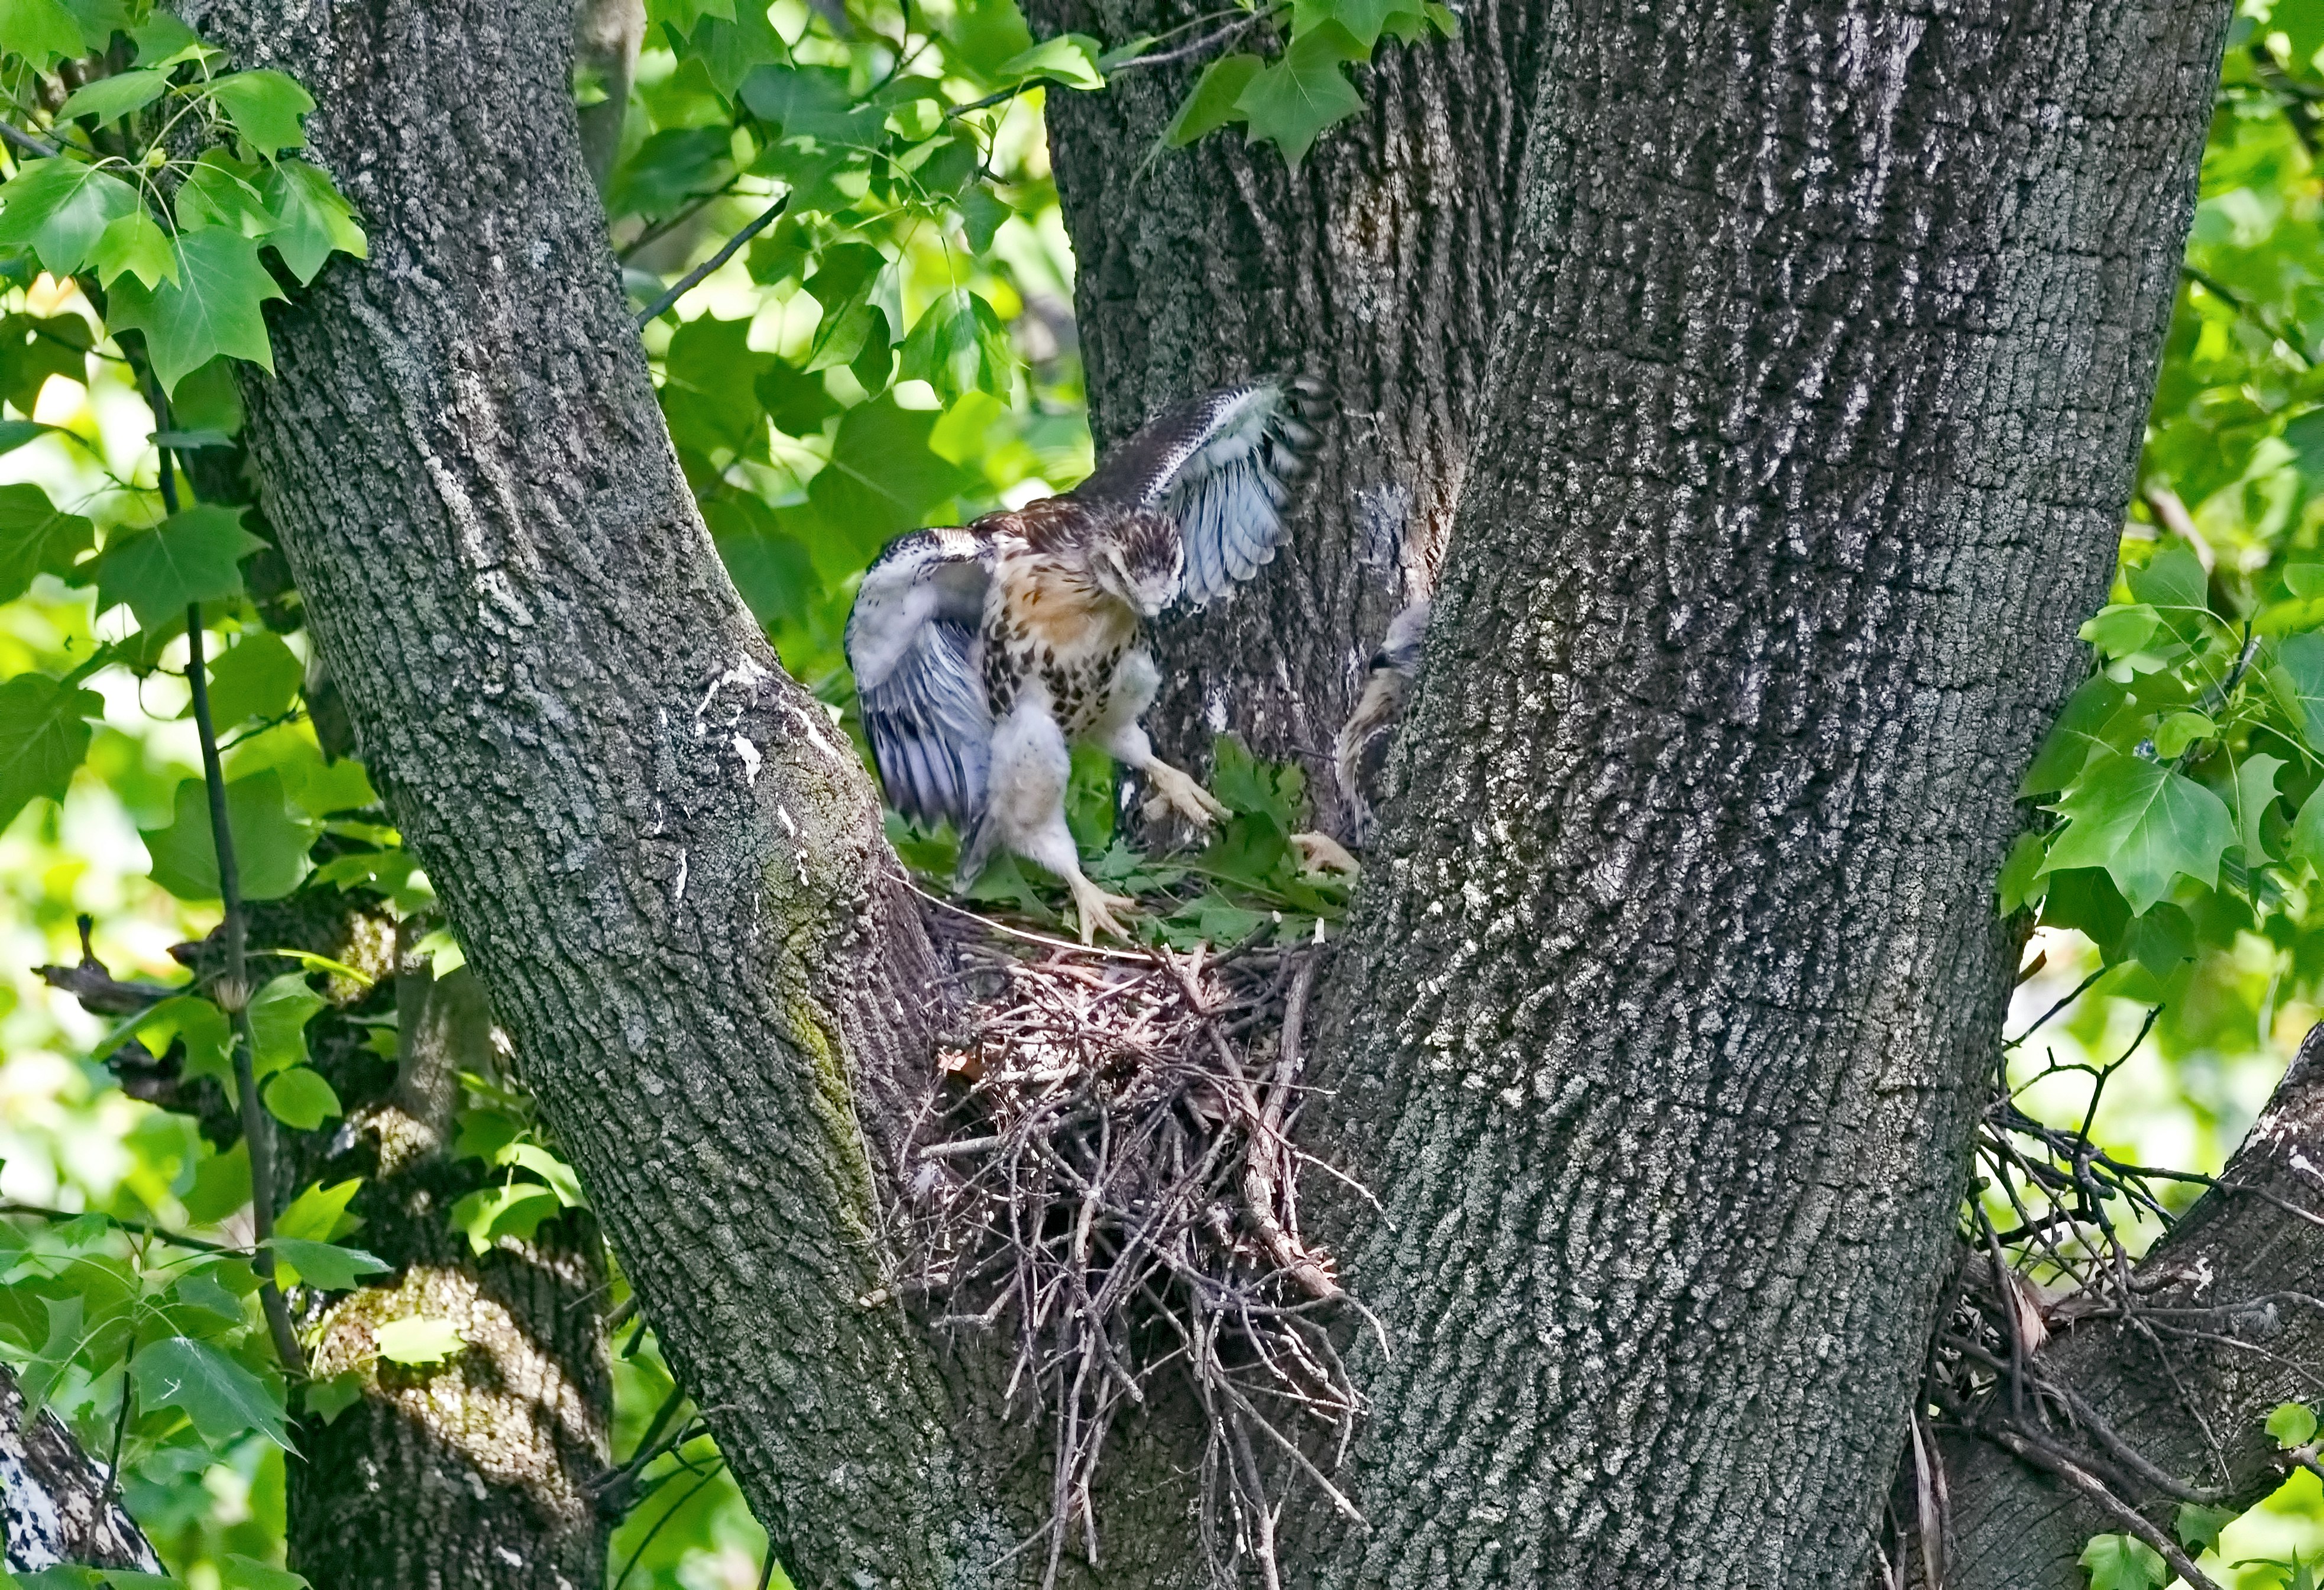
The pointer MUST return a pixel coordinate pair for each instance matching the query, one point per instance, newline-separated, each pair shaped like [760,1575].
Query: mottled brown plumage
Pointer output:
[980,654]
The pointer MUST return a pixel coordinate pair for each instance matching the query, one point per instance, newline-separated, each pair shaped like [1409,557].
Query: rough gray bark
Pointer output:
[1811,426]
[663,860]
[1808,421]
[1376,268]
[480,1472]
[53,1507]
[2230,1327]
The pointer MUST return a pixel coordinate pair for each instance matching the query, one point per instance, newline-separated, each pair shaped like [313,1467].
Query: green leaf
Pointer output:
[163,41]
[982,211]
[843,282]
[2159,939]
[58,208]
[270,841]
[110,98]
[223,191]
[1070,59]
[2296,680]
[514,1209]
[258,677]
[320,1214]
[1213,103]
[135,245]
[418,1340]
[810,102]
[300,1098]
[2122,1562]
[2172,581]
[1365,20]
[194,1022]
[2122,628]
[2199,1527]
[222,1397]
[2253,792]
[2144,824]
[551,1169]
[212,308]
[316,218]
[2292,1424]
[245,1573]
[883,477]
[43,736]
[34,348]
[16,433]
[1290,103]
[40,31]
[264,107]
[2020,882]
[35,539]
[958,346]
[221,1186]
[774,573]
[192,556]
[2308,831]
[278,1016]
[328,1398]
[323,1266]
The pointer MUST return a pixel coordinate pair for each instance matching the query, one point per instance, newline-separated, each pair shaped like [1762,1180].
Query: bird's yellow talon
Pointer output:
[1320,853]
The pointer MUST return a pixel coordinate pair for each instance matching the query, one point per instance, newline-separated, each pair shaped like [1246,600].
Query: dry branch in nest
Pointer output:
[1105,1171]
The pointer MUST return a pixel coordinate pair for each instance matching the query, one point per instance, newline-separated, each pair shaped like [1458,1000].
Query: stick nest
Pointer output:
[1104,1171]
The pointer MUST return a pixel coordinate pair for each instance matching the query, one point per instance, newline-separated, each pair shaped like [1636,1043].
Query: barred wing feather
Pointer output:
[911,640]
[1221,466]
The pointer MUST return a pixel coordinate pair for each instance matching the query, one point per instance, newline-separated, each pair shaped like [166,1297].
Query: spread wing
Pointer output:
[911,640]
[1221,466]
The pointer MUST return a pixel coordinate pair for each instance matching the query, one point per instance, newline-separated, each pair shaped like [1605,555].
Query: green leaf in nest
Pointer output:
[213,308]
[224,1400]
[2144,824]
[43,736]
[193,556]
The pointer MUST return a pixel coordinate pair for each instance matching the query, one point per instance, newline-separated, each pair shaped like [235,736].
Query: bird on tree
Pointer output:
[981,654]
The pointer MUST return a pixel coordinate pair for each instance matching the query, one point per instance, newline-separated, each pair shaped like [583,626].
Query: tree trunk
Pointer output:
[481,1471]
[1815,387]
[664,862]
[1378,268]
[1810,432]
[53,1506]
[2228,1328]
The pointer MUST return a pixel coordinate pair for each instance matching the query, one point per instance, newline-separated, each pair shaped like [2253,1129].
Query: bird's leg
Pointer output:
[1177,792]
[1320,853]
[1095,908]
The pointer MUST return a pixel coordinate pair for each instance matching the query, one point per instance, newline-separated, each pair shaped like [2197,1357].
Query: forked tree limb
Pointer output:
[2234,1296]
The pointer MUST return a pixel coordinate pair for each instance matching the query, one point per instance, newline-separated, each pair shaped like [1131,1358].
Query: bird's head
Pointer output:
[1138,560]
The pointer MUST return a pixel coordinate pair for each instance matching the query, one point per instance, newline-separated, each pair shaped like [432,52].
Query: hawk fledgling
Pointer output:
[982,653]
[1360,755]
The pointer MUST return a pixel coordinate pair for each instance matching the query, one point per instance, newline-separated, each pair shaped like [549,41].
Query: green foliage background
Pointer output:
[896,349]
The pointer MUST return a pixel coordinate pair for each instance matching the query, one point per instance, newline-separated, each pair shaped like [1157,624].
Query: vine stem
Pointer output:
[234,989]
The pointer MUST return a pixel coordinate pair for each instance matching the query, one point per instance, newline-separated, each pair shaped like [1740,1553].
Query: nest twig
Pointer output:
[1104,1171]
